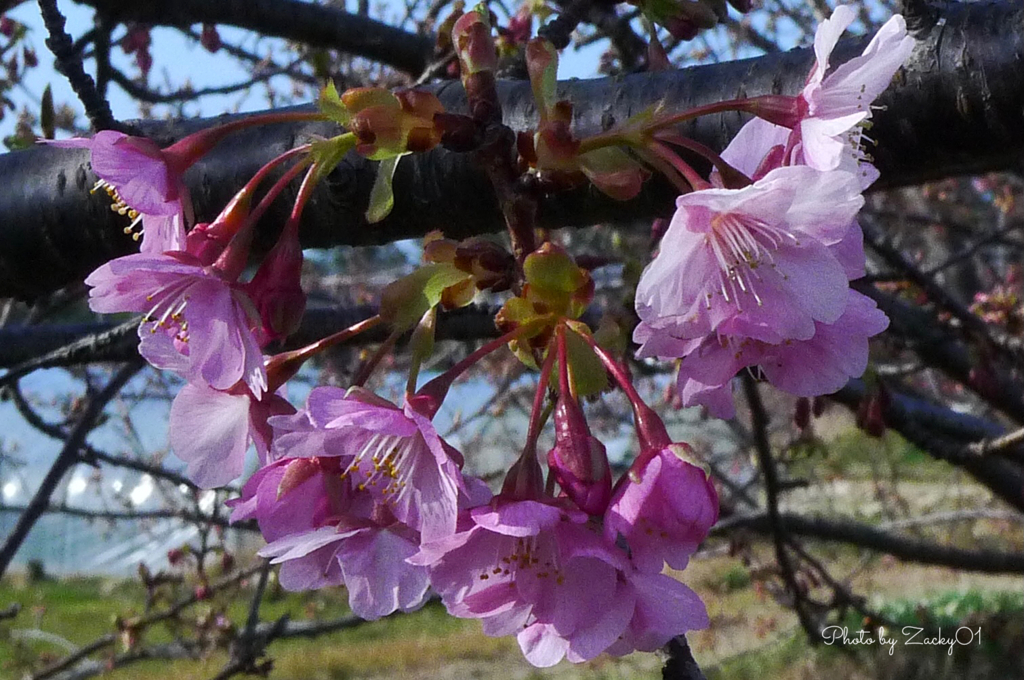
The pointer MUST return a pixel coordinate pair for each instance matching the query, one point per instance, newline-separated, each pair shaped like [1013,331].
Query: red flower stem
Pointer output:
[668,171]
[182,154]
[278,187]
[368,368]
[564,387]
[289,363]
[769,107]
[649,427]
[684,169]
[673,137]
[438,387]
[309,182]
[536,413]
[240,201]
[746,104]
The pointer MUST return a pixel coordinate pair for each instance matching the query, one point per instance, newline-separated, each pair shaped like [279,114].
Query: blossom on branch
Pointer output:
[206,318]
[752,262]
[144,186]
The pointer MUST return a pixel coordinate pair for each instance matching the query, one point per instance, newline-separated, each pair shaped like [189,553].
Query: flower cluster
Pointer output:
[753,271]
[758,275]
[363,494]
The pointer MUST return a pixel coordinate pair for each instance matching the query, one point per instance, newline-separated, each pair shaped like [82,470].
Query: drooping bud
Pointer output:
[778,109]
[210,38]
[578,460]
[276,289]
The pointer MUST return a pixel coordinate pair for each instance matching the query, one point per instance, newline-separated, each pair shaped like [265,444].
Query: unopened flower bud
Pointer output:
[276,289]
[210,38]
[472,39]
[578,460]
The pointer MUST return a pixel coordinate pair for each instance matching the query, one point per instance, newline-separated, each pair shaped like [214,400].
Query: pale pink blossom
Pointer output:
[367,558]
[663,510]
[206,318]
[211,430]
[837,103]
[752,262]
[143,185]
[819,365]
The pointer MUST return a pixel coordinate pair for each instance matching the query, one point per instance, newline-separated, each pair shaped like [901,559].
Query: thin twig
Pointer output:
[70,66]
[65,461]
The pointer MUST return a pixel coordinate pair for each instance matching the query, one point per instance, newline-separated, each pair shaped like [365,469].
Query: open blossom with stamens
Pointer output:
[136,174]
[833,109]
[394,454]
[753,262]
[838,103]
[540,570]
[324,531]
[207,319]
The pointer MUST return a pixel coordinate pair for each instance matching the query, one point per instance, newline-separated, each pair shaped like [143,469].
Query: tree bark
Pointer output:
[957,108]
[315,25]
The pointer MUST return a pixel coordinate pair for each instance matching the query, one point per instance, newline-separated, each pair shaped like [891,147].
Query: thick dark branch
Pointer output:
[945,435]
[865,536]
[940,118]
[313,24]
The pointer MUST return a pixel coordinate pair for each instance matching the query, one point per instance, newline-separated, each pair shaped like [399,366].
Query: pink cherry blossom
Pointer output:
[819,365]
[838,102]
[541,570]
[663,511]
[211,430]
[325,530]
[753,262]
[367,558]
[663,608]
[533,568]
[136,173]
[205,317]
[394,454]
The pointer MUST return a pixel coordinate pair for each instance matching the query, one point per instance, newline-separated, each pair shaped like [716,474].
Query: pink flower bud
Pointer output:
[210,38]
[276,289]
[578,460]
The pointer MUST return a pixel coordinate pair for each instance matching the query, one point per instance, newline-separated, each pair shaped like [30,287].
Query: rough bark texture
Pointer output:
[957,108]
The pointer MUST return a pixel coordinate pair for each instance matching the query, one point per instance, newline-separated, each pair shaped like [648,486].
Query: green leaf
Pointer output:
[382,199]
[585,368]
[327,153]
[614,172]
[542,64]
[404,302]
[550,268]
[332,107]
